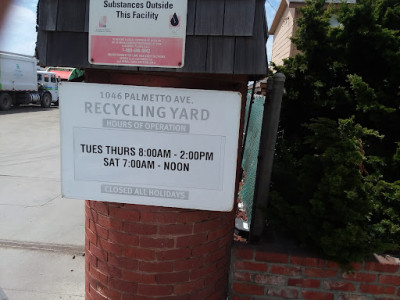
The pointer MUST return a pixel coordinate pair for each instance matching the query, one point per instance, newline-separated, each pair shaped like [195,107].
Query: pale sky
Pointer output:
[271,6]
[18,33]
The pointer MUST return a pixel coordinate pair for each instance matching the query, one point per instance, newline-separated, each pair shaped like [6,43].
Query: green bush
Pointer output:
[336,177]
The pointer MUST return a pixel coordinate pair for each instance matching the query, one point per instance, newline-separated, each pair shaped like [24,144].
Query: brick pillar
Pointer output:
[148,252]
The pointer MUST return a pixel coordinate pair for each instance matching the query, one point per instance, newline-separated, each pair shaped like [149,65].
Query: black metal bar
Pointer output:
[269,131]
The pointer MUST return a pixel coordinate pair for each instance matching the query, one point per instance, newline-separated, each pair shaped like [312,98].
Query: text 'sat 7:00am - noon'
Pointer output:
[146,152]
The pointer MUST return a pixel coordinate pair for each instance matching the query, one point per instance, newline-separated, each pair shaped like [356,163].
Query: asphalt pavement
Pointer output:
[41,234]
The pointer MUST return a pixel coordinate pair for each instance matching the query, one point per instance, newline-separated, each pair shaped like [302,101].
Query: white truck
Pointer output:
[22,83]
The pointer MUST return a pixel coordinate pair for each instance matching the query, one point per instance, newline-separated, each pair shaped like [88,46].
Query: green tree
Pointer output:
[336,178]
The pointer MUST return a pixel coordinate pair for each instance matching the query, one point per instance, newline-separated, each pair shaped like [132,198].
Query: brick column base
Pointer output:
[146,252]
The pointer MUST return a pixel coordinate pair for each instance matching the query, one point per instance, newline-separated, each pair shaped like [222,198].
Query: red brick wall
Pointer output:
[147,252]
[259,274]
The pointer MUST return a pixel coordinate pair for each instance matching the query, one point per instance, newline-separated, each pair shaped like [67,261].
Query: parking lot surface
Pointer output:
[41,234]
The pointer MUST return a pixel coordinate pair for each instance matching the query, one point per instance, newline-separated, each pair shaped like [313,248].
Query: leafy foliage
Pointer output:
[336,177]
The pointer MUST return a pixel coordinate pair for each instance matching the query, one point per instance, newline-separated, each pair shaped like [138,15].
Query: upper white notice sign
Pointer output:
[153,146]
[137,33]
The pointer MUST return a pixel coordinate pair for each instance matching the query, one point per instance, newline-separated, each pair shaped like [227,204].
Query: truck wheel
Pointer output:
[5,101]
[46,100]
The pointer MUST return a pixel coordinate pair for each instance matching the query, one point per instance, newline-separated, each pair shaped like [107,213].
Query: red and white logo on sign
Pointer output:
[103,22]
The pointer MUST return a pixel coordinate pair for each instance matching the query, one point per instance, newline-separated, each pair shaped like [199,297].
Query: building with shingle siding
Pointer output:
[223,37]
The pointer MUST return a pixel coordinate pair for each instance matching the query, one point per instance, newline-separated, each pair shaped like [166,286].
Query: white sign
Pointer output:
[137,33]
[153,146]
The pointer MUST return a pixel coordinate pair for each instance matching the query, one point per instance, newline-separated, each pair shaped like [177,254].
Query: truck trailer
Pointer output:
[21,82]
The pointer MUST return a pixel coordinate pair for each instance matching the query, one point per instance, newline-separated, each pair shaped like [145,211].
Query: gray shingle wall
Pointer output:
[223,36]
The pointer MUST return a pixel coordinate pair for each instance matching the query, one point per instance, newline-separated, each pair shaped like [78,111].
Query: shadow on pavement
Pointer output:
[3,296]
[25,109]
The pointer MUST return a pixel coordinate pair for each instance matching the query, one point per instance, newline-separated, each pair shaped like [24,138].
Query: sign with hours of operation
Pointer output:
[153,146]
[137,33]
